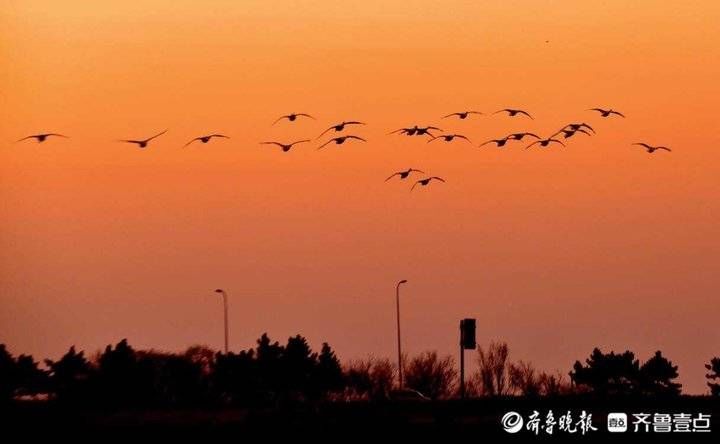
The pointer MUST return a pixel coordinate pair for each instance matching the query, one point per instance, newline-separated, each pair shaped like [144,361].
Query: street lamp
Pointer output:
[397,303]
[225,312]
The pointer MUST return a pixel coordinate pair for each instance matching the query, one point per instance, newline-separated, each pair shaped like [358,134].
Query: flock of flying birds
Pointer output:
[565,133]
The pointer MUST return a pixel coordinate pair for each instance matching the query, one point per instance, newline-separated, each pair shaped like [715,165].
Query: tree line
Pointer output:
[272,373]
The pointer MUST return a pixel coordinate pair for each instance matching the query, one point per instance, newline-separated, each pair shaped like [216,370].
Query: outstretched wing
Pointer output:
[460,136]
[280,118]
[156,135]
[643,144]
[618,113]
[438,178]
[526,113]
[273,143]
[534,143]
[219,135]
[415,184]
[489,141]
[300,141]
[587,126]
[305,115]
[557,141]
[355,137]
[329,141]
[664,148]
[354,122]
[417,171]
[452,114]
[390,177]
[506,110]
[25,138]
[197,138]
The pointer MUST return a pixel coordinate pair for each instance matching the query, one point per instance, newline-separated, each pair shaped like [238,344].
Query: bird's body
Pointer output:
[520,136]
[513,112]
[340,126]
[577,126]
[285,146]
[405,131]
[143,143]
[650,148]
[206,139]
[462,115]
[545,142]
[416,131]
[422,131]
[449,137]
[569,132]
[607,112]
[42,137]
[340,140]
[404,174]
[293,117]
[498,142]
[426,181]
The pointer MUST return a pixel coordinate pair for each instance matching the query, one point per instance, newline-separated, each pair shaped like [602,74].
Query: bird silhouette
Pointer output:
[416,131]
[292,117]
[404,174]
[340,140]
[285,146]
[650,148]
[519,136]
[340,126]
[448,137]
[498,142]
[405,131]
[607,112]
[421,131]
[144,142]
[206,139]
[577,126]
[462,114]
[568,133]
[42,137]
[513,112]
[426,181]
[545,142]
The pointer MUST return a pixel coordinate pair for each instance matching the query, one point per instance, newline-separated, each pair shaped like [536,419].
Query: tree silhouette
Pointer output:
[235,378]
[714,368]
[656,376]
[328,375]
[298,363]
[608,373]
[170,379]
[524,379]
[432,376]
[70,377]
[118,375]
[8,382]
[493,370]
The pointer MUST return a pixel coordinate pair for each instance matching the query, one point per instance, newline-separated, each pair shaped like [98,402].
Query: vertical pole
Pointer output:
[462,363]
[399,346]
[226,321]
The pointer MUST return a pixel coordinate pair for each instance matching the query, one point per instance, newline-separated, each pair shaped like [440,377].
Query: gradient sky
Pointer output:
[555,252]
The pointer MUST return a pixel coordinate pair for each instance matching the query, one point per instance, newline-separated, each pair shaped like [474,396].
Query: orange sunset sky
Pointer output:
[554,251]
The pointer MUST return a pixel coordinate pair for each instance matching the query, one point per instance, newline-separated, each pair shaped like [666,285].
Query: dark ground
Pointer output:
[478,419]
